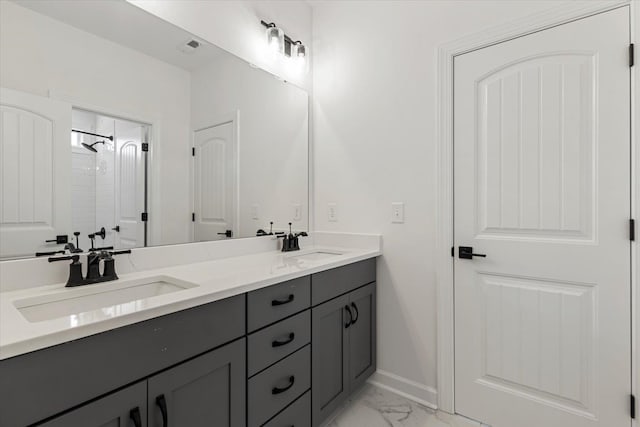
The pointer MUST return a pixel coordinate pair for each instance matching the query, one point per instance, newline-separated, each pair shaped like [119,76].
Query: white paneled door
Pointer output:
[35,173]
[542,188]
[215,182]
[129,184]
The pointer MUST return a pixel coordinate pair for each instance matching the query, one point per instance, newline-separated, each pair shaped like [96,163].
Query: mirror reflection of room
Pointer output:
[227,142]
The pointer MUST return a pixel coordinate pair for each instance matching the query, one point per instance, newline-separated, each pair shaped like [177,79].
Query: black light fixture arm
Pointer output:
[110,138]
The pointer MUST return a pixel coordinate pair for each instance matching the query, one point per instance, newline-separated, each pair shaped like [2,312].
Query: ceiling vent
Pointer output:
[189,46]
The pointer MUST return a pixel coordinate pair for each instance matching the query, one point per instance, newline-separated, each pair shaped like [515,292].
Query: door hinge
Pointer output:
[193,217]
[452,251]
[193,151]
[632,230]
[631,55]
[632,408]
[144,217]
[145,146]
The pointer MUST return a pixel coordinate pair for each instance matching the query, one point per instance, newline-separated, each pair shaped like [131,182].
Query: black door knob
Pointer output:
[116,228]
[466,252]
[227,233]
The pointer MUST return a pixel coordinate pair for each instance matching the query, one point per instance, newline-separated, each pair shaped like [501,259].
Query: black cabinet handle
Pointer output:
[162,404]
[277,343]
[134,415]
[355,308]
[277,390]
[350,322]
[116,228]
[277,302]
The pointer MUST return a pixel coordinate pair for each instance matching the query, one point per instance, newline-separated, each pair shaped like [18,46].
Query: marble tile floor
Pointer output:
[377,407]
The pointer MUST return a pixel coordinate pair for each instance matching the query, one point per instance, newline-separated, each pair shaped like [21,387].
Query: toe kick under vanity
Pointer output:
[282,355]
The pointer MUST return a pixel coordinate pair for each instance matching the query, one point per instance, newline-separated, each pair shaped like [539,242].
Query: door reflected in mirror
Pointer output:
[155,136]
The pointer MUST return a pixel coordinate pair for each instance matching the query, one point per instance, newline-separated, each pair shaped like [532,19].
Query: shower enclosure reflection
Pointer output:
[108,179]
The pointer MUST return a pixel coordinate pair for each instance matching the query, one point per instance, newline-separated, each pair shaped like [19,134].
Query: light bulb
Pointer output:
[299,55]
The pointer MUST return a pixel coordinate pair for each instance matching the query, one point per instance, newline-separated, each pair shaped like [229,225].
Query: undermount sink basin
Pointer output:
[319,255]
[86,304]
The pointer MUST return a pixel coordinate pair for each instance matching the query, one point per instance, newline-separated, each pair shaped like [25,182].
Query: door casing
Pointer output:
[153,196]
[234,118]
[565,12]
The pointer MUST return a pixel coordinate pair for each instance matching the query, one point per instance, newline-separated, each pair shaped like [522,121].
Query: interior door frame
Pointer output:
[151,162]
[220,119]
[563,13]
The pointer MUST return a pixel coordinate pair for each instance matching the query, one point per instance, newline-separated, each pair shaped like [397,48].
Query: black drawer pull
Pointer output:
[277,343]
[278,390]
[350,322]
[289,299]
[134,414]
[355,308]
[162,404]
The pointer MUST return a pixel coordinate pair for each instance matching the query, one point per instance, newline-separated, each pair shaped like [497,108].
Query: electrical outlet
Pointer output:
[332,212]
[297,212]
[397,212]
[255,211]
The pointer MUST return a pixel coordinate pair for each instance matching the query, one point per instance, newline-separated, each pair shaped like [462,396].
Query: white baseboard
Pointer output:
[412,390]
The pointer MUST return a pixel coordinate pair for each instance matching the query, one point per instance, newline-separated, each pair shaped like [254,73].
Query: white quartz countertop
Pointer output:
[204,282]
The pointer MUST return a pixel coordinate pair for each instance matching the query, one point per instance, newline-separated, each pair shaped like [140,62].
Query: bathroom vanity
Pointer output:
[283,354]
[161,143]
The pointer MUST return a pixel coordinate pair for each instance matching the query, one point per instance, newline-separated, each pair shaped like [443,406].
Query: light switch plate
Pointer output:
[297,212]
[255,211]
[332,212]
[397,212]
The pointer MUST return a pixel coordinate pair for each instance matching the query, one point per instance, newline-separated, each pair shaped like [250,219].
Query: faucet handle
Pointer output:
[125,251]
[49,253]
[92,237]
[74,258]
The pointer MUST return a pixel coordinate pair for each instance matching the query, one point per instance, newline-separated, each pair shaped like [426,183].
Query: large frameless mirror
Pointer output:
[118,129]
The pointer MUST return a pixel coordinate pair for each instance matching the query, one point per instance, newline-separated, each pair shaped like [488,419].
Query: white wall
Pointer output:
[235,26]
[55,58]
[273,138]
[374,124]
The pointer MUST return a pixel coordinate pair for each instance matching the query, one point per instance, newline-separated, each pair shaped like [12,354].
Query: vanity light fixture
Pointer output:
[279,42]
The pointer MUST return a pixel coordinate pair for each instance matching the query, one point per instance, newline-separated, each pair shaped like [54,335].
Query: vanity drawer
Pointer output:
[296,415]
[277,341]
[337,281]
[273,389]
[268,305]
[45,382]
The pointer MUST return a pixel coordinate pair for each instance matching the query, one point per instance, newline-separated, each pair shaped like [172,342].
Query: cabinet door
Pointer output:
[362,335]
[206,391]
[329,357]
[125,408]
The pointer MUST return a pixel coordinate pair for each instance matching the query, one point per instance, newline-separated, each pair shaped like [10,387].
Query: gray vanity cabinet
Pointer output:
[343,337]
[124,408]
[362,335]
[329,358]
[284,355]
[206,391]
